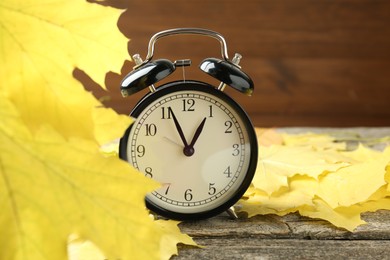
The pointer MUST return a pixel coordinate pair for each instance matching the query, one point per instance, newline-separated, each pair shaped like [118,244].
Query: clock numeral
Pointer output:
[148,172]
[188,105]
[140,150]
[228,125]
[236,151]
[151,129]
[210,111]
[166,112]
[228,172]
[212,189]
[188,195]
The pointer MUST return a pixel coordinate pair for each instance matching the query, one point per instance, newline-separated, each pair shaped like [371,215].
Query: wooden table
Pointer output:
[291,236]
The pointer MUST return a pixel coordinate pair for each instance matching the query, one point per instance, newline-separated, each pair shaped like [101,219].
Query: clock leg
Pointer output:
[232,213]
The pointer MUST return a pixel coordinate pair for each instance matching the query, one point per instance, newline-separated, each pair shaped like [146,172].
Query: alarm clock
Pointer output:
[189,135]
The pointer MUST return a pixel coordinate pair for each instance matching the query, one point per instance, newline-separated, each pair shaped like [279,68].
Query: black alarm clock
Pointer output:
[189,135]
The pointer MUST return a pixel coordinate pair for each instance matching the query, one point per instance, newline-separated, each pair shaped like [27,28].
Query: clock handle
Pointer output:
[194,31]
[146,72]
[226,71]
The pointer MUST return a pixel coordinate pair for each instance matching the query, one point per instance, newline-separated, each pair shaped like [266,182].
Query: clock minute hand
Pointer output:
[179,130]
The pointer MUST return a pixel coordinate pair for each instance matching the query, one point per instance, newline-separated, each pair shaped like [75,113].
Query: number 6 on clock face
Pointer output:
[198,143]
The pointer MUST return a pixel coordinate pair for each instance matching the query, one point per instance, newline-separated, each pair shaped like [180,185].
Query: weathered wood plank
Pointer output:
[250,248]
[289,226]
[291,237]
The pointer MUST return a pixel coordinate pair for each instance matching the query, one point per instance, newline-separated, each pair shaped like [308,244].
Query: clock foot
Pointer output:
[232,213]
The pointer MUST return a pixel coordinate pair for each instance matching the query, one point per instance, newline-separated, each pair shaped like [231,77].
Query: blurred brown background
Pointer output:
[313,62]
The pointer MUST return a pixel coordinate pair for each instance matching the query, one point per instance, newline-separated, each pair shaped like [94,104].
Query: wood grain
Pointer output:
[259,249]
[315,63]
[288,237]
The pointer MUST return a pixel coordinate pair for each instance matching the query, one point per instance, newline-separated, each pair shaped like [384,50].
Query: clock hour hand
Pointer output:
[179,130]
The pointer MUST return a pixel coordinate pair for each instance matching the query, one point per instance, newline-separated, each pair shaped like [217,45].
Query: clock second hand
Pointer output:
[172,141]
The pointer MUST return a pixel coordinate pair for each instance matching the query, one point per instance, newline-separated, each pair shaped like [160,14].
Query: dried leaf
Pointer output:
[342,217]
[300,192]
[41,42]
[362,154]
[51,188]
[354,184]
[316,141]
[54,181]
[80,249]
[277,163]
[336,194]
[85,249]
[171,237]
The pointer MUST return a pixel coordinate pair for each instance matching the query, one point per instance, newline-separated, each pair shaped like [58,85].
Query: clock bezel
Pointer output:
[175,86]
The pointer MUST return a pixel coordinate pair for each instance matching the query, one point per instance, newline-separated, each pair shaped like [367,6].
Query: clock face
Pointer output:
[198,143]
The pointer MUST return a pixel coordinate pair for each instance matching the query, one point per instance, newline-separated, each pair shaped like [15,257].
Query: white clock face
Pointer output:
[196,145]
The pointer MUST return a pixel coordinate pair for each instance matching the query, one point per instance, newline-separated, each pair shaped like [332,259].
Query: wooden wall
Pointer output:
[313,62]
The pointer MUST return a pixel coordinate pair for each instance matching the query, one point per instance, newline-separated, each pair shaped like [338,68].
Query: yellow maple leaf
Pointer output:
[171,237]
[350,217]
[362,154]
[341,217]
[300,192]
[85,249]
[41,42]
[317,141]
[387,177]
[277,163]
[51,187]
[339,195]
[356,183]
[54,181]
[81,249]
[352,185]
[374,205]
